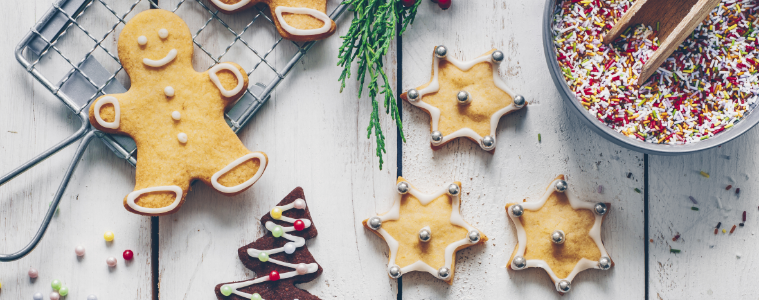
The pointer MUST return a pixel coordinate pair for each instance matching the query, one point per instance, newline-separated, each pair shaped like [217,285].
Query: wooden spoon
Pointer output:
[676,20]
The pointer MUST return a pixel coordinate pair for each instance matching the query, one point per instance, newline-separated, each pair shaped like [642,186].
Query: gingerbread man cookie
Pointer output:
[465,98]
[296,20]
[175,116]
[424,231]
[560,234]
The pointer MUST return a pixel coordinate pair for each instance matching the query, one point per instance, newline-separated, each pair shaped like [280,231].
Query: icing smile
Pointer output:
[161,62]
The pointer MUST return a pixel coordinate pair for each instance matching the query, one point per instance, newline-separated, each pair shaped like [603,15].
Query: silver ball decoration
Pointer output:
[519,101]
[488,142]
[394,272]
[403,187]
[425,235]
[453,189]
[474,236]
[92,297]
[497,56]
[444,273]
[518,263]
[463,98]
[600,208]
[412,95]
[441,51]
[517,210]
[436,137]
[375,223]
[38,296]
[561,186]
[558,237]
[565,286]
[604,263]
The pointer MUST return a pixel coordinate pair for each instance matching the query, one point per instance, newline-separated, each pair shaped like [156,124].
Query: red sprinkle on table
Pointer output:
[728,187]
[128,255]
[744,216]
[732,229]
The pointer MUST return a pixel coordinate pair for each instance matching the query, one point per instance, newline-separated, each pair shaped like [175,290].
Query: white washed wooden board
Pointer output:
[31,120]
[707,266]
[315,138]
[521,166]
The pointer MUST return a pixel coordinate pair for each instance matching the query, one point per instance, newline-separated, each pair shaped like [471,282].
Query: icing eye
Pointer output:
[163,33]
[142,40]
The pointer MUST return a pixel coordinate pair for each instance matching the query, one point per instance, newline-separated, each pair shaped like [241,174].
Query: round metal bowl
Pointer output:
[597,126]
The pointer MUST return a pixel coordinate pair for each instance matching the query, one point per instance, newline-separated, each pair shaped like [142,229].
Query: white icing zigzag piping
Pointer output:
[303,11]
[434,86]
[450,250]
[299,242]
[595,234]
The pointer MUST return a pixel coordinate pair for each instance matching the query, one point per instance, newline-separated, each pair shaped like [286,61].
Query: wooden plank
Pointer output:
[521,166]
[315,138]
[708,264]
[31,120]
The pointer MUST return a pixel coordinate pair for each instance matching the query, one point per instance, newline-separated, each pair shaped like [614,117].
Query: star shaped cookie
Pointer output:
[560,234]
[424,231]
[175,116]
[465,98]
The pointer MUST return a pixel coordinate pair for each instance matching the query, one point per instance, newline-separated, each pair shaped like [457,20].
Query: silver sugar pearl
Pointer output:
[453,189]
[518,263]
[604,263]
[441,51]
[394,272]
[517,210]
[565,286]
[436,137]
[561,186]
[412,95]
[403,187]
[600,208]
[488,142]
[375,223]
[497,56]
[474,236]
[557,237]
[463,98]
[444,273]
[425,235]
[519,101]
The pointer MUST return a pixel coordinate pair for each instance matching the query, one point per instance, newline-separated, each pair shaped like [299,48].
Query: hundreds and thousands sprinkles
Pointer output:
[708,85]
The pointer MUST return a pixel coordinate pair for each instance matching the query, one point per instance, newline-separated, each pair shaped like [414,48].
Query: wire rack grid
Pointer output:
[87,77]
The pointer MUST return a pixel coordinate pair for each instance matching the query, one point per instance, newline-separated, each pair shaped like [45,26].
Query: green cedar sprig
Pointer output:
[373,28]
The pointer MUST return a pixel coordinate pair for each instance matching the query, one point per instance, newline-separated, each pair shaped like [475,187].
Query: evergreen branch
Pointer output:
[374,26]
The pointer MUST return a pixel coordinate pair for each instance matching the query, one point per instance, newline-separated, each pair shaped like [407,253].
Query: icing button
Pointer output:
[182,137]
[176,115]
[169,91]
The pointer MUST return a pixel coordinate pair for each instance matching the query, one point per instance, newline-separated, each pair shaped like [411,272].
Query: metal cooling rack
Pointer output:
[50,41]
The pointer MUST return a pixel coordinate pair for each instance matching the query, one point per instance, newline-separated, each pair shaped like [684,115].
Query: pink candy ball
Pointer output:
[111,261]
[55,296]
[33,273]
[79,250]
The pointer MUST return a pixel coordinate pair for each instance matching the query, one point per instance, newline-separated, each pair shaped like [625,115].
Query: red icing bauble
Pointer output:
[444,4]
[128,255]
[408,3]
[274,276]
[299,225]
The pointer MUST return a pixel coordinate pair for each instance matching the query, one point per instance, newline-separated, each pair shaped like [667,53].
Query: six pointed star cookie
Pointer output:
[560,234]
[465,98]
[424,231]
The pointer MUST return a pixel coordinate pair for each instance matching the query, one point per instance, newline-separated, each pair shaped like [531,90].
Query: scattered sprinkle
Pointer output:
[677,237]
[692,199]
[737,255]
[738,191]
[716,230]
[12,131]
[704,174]
[724,231]
[718,225]
[741,224]
[728,187]
[732,229]
[674,250]
[637,190]
[539,139]
[694,208]
[629,174]
[600,189]
[651,240]
[744,216]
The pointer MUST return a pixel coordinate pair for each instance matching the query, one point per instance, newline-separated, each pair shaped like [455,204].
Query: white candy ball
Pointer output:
[299,204]
[290,248]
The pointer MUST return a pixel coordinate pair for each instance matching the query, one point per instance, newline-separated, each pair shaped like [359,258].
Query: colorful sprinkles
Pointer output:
[705,87]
